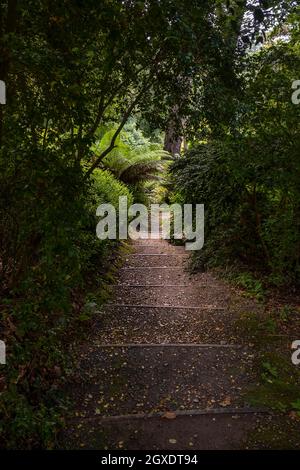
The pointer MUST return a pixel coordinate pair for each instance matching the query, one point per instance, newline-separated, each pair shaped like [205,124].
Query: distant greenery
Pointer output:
[136,159]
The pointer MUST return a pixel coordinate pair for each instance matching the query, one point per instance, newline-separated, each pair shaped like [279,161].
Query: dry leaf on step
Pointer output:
[169,415]
[226,401]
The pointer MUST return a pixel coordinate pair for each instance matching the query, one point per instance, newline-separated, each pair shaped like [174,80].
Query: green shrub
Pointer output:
[106,188]
[249,220]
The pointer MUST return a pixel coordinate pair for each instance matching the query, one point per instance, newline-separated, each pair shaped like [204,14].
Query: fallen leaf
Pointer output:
[169,415]
[226,401]
[294,415]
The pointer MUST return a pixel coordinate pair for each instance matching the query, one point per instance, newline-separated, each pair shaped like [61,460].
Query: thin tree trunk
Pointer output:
[173,134]
[172,141]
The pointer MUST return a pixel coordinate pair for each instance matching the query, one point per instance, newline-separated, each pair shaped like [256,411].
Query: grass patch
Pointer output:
[279,384]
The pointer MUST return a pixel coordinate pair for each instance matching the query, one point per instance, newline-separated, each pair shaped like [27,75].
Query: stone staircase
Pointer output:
[163,368]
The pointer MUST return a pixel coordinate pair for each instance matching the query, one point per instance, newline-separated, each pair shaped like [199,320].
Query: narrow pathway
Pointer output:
[163,368]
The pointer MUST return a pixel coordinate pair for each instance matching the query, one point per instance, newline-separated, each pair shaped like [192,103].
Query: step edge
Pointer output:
[158,254]
[189,412]
[151,267]
[200,286]
[170,345]
[187,307]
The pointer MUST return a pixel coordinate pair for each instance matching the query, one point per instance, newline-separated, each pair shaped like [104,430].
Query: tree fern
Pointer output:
[134,159]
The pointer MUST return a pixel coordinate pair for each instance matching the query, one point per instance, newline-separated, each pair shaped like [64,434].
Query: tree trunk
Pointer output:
[173,134]
[172,141]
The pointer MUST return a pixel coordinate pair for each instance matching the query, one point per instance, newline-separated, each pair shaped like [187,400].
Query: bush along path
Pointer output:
[164,366]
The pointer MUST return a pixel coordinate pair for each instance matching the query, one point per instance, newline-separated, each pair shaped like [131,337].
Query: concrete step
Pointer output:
[195,432]
[159,260]
[187,296]
[163,249]
[172,276]
[165,325]
[128,380]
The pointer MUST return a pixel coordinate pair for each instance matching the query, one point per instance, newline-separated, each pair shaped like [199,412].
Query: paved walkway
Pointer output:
[163,368]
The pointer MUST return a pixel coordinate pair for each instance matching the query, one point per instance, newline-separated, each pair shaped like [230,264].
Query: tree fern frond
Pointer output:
[134,159]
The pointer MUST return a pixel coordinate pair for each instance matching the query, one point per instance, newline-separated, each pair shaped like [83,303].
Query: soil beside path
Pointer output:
[164,367]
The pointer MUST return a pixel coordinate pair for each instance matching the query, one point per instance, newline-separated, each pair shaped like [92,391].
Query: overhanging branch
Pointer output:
[112,144]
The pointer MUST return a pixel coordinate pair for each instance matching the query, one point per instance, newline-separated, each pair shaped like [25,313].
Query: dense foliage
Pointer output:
[64,83]
[249,178]
[50,254]
[75,71]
